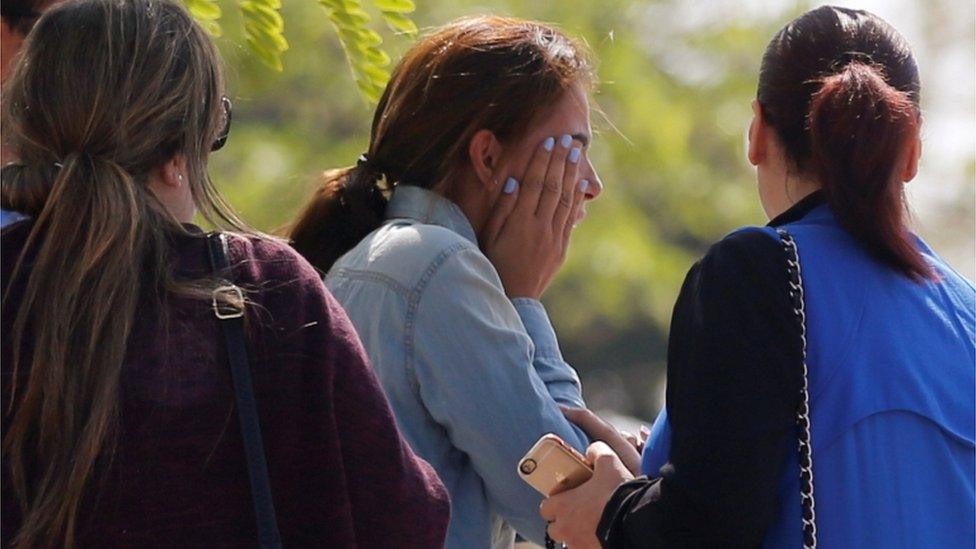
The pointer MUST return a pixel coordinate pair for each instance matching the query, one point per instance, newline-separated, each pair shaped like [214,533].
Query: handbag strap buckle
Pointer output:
[228,302]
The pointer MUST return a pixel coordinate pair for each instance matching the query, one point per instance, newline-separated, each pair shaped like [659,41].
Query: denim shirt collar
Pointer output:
[411,202]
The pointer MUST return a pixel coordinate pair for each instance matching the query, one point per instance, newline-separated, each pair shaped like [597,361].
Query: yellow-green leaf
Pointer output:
[400,23]
[264,30]
[398,6]
[203,10]
[267,17]
[206,12]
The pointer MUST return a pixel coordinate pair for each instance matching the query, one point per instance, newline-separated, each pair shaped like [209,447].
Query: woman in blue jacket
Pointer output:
[442,238]
[888,348]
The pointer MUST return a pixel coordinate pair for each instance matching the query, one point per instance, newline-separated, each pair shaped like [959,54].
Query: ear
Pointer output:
[484,152]
[913,152]
[173,172]
[758,135]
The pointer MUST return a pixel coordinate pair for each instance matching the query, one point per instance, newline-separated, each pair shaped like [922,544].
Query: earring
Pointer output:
[180,178]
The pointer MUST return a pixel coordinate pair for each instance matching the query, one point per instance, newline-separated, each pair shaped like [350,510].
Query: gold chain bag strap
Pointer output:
[807,503]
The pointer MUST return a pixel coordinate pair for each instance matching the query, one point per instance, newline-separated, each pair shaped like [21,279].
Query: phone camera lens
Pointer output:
[527,466]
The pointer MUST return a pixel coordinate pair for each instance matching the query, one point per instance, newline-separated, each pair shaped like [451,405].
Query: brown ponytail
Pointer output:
[347,206]
[859,126]
[104,93]
[476,73]
[841,89]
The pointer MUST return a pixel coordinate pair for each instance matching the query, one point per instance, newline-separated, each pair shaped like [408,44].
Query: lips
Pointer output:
[580,216]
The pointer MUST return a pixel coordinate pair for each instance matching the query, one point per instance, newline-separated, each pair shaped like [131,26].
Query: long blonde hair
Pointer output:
[105,91]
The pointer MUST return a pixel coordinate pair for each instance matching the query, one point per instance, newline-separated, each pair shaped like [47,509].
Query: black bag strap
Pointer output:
[807,501]
[231,318]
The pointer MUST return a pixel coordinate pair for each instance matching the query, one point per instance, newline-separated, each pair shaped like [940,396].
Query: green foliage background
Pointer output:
[670,150]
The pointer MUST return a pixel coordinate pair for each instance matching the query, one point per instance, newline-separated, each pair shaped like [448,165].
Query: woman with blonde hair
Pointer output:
[163,387]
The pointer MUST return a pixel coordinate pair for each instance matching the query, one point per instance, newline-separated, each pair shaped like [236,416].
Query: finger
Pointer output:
[599,452]
[556,531]
[630,437]
[553,182]
[503,207]
[570,223]
[586,420]
[569,187]
[645,432]
[549,509]
[533,179]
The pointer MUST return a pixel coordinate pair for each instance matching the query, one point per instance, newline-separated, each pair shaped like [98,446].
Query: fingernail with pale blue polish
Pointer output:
[574,155]
[549,143]
[510,185]
[565,141]
[584,185]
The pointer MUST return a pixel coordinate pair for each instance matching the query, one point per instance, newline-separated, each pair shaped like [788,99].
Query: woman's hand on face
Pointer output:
[527,232]
[574,515]
[624,445]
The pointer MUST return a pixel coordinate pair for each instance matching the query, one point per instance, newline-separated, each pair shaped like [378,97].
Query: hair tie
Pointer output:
[363,161]
[848,57]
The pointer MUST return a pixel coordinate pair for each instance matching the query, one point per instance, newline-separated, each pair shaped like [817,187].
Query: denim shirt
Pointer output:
[473,377]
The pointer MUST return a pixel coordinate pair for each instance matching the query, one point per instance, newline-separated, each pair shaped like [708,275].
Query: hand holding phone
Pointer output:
[551,466]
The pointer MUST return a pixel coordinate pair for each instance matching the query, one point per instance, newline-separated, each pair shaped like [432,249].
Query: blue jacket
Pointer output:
[473,377]
[893,400]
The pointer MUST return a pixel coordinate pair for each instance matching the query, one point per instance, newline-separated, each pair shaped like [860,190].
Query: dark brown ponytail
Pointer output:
[348,204]
[841,88]
[476,73]
[859,126]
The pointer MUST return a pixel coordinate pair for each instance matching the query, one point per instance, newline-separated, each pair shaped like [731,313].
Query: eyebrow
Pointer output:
[582,138]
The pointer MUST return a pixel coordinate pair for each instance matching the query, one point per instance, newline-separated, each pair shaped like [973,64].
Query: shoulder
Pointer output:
[408,252]
[745,267]
[261,258]
[748,250]
[423,241]
[284,286]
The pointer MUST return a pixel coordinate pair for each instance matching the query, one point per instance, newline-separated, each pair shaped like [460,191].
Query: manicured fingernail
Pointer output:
[510,185]
[549,143]
[584,184]
[574,155]
[565,141]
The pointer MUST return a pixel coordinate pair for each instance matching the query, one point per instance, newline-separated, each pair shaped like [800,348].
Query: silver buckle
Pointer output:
[221,308]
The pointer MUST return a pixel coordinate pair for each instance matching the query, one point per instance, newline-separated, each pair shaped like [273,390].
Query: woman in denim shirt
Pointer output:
[440,241]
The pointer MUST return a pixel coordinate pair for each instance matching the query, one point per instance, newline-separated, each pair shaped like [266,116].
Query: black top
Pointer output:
[734,381]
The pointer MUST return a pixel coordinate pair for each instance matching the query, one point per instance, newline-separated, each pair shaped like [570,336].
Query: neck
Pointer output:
[473,201]
[787,195]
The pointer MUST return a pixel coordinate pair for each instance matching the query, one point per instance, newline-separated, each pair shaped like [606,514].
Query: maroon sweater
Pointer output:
[340,472]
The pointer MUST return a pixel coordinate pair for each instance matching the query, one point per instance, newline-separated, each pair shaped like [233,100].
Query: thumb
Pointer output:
[600,455]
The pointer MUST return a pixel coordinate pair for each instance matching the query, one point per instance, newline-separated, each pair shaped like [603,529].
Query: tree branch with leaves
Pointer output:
[264,33]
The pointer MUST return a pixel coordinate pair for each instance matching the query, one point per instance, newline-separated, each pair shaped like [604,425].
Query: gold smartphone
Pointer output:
[552,466]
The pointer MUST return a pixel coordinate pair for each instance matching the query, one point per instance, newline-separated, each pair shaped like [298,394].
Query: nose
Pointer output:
[595,187]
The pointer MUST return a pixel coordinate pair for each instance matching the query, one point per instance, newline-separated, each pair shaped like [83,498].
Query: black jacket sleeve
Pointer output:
[734,379]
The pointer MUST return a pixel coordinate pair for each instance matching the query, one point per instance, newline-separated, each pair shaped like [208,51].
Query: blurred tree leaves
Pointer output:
[361,45]
[264,33]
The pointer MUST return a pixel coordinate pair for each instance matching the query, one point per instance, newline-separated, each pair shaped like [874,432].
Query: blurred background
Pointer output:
[677,78]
